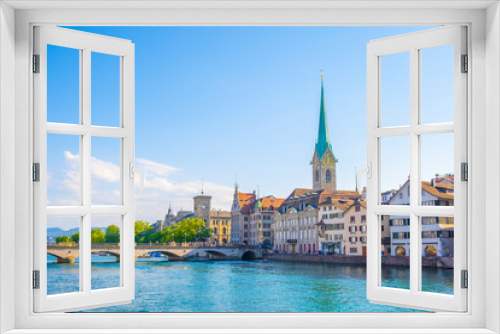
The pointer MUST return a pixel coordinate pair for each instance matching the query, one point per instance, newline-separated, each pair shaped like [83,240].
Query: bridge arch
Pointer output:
[249,255]
[62,259]
[215,253]
[112,253]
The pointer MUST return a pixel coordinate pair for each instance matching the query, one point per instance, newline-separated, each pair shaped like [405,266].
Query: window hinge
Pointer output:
[36,63]
[465,279]
[36,279]
[36,172]
[464,171]
[465,64]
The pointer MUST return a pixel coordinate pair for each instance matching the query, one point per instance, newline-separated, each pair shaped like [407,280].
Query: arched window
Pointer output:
[328,176]
[224,231]
[317,176]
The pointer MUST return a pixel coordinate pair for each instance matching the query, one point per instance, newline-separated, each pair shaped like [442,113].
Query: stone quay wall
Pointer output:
[401,261]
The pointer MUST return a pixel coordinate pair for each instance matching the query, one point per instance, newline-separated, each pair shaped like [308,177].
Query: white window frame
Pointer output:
[414,43]
[86,44]
[483,21]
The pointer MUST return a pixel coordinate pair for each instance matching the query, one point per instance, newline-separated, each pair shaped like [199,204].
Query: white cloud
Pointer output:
[162,187]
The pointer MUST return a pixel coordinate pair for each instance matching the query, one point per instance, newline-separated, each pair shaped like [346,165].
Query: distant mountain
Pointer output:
[54,232]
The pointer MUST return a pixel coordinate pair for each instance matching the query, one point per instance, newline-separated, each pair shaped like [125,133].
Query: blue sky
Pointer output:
[216,102]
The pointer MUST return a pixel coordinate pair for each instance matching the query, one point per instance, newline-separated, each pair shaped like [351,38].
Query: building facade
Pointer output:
[298,227]
[330,228]
[437,232]
[220,226]
[252,218]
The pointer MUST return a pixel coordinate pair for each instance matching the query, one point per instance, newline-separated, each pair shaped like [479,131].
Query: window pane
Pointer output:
[395,170]
[63,170]
[395,89]
[437,84]
[105,90]
[106,171]
[437,254]
[396,255]
[63,85]
[437,169]
[63,252]
[105,236]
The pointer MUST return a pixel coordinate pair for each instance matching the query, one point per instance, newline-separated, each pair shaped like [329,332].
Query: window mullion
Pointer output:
[85,254]
[414,170]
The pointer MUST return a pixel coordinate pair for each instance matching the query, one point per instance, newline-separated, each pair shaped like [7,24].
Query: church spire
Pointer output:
[323,141]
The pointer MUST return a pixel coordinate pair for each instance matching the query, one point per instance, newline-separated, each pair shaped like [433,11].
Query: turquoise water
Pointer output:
[247,286]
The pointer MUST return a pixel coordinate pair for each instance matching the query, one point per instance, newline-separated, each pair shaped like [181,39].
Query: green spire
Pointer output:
[323,141]
[259,203]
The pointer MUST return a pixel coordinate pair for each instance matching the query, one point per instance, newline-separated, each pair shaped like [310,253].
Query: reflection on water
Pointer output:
[256,286]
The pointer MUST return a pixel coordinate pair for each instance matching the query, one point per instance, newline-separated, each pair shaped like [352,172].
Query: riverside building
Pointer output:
[295,221]
[252,218]
[437,232]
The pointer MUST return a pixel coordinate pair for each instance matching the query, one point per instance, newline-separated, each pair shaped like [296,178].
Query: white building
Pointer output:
[437,232]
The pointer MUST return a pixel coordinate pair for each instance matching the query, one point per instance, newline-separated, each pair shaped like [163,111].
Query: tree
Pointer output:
[189,230]
[62,239]
[97,236]
[142,231]
[112,234]
[75,237]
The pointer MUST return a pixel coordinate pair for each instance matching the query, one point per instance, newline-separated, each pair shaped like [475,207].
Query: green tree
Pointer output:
[75,237]
[97,236]
[189,230]
[112,234]
[62,239]
[142,231]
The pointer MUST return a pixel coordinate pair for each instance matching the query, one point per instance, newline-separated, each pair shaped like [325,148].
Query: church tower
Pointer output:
[324,161]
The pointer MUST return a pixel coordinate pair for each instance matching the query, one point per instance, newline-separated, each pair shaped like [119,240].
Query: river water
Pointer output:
[245,286]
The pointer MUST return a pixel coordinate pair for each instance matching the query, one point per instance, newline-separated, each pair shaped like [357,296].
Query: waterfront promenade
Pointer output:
[401,261]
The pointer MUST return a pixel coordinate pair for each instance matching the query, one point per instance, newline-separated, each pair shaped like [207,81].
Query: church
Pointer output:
[295,220]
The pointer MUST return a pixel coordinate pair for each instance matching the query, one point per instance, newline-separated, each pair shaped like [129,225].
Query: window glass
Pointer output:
[437,254]
[105,90]
[395,89]
[395,168]
[395,251]
[437,84]
[63,85]
[105,248]
[63,170]
[63,255]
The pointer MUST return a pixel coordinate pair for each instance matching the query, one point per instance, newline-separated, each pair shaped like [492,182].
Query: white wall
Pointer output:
[492,165]
[7,159]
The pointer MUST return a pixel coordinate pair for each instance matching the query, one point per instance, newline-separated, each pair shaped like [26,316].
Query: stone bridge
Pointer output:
[68,253]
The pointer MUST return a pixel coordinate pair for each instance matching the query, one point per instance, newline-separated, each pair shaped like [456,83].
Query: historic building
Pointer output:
[295,221]
[437,232]
[218,221]
[324,161]
[220,226]
[330,226]
[201,207]
[252,218]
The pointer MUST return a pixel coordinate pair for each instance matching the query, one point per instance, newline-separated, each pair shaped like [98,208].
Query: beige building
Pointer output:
[355,229]
[220,226]
[295,223]
[330,228]
[252,218]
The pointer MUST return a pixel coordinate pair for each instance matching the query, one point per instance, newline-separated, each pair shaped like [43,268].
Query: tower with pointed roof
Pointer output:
[324,162]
